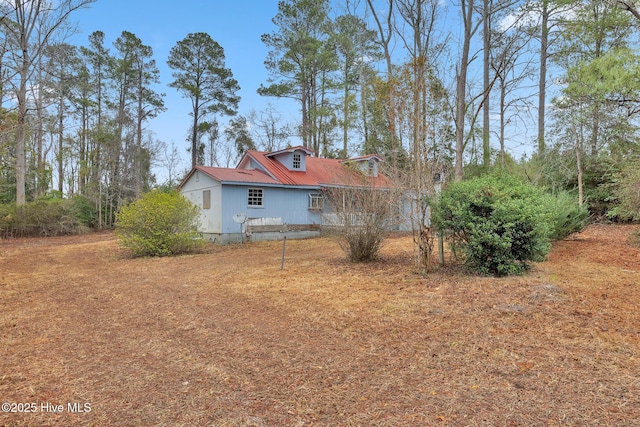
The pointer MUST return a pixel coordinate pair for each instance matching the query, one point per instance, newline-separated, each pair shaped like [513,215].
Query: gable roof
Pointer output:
[320,172]
[363,158]
[229,175]
[307,151]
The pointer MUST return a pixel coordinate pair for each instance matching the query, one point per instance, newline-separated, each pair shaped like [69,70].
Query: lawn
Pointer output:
[91,336]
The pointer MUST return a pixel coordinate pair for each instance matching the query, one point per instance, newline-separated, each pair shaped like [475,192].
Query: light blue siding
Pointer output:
[286,159]
[292,205]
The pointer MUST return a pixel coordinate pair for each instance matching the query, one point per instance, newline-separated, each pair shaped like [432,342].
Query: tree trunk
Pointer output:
[194,133]
[140,117]
[542,82]
[60,145]
[486,135]
[384,41]
[503,96]
[21,161]
[345,117]
[461,87]
[579,165]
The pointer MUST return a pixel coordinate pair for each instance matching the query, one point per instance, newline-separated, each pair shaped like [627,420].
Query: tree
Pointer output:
[469,29]
[300,63]
[420,107]
[60,78]
[491,12]
[238,133]
[354,44]
[268,130]
[201,76]
[148,102]
[30,25]
[97,60]
[385,36]
[629,6]
[510,70]
[605,87]
[590,32]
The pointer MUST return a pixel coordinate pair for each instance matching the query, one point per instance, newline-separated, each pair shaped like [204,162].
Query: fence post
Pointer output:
[284,245]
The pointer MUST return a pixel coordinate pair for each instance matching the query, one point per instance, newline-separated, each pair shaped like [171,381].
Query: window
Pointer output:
[206,199]
[297,161]
[316,201]
[372,168]
[255,197]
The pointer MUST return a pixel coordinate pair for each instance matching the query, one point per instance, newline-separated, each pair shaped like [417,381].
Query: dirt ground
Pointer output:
[92,337]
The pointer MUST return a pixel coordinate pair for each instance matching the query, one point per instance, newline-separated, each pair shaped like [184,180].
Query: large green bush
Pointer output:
[42,217]
[627,193]
[498,223]
[564,215]
[159,224]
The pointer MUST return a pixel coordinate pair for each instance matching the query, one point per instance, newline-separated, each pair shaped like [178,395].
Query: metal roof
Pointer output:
[320,172]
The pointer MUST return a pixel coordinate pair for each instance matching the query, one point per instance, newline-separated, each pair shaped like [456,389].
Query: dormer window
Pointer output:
[293,158]
[367,165]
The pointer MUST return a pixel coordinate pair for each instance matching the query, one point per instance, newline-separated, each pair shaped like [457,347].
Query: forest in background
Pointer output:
[432,87]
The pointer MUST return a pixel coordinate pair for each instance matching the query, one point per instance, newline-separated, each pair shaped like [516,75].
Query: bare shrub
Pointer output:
[361,217]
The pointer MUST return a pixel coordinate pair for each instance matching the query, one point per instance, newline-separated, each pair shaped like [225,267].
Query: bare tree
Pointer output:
[470,27]
[426,98]
[268,130]
[510,71]
[491,11]
[171,161]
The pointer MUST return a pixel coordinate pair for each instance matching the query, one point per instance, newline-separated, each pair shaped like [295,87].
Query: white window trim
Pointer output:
[255,198]
[316,201]
[296,162]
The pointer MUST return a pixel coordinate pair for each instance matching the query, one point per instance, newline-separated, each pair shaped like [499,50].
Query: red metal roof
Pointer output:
[320,172]
[237,175]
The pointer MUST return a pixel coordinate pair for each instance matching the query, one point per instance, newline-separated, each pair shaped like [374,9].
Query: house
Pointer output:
[269,193]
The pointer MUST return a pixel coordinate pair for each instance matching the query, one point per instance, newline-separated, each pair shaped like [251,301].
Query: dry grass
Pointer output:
[226,338]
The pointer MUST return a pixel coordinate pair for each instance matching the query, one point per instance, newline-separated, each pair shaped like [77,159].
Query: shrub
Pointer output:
[361,218]
[159,224]
[7,214]
[84,210]
[43,217]
[627,193]
[499,223]
[565,216]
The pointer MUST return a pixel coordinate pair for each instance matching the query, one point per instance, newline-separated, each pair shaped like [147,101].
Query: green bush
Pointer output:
[159,224]
[627,193]
[84,210]
[565,216]
[499,223]
[7,214]
[43,217]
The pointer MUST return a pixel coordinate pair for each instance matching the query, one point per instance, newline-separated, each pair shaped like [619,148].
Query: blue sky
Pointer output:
[235,25]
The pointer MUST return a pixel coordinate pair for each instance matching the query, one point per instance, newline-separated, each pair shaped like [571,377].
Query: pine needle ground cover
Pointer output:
[92,336]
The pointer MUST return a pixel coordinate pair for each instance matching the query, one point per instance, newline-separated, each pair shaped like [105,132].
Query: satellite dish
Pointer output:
[240,218]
